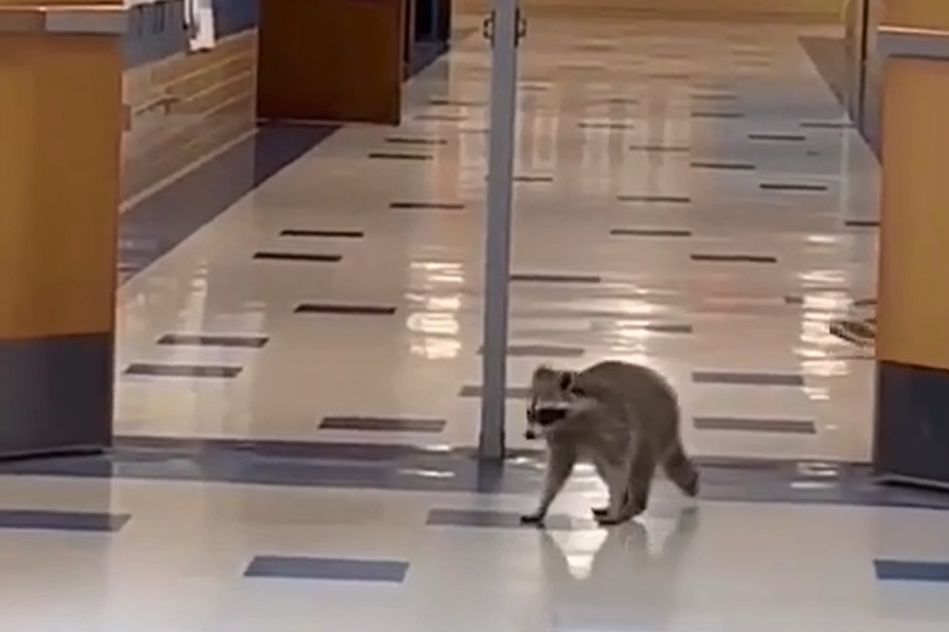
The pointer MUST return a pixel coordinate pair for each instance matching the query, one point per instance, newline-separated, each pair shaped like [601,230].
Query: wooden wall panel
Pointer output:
[924,14]
[186,107]
[913,305]
[60,125]
[331,60]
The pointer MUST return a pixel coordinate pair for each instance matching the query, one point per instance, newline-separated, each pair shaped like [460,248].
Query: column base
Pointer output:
[911,441]
[56,395]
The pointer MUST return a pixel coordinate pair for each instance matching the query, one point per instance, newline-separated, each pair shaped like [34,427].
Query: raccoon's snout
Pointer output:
[530,434]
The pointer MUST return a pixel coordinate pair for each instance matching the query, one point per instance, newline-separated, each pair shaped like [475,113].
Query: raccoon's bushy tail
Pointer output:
[680,469]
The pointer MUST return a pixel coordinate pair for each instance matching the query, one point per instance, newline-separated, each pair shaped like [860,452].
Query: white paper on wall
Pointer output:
[199,21]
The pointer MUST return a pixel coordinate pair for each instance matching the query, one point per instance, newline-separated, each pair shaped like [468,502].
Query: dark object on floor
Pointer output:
[861,332]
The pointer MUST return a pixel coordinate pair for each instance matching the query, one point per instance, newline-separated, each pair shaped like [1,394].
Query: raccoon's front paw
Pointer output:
[534,519]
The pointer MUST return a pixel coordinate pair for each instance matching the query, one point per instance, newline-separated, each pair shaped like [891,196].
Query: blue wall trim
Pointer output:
[157,30]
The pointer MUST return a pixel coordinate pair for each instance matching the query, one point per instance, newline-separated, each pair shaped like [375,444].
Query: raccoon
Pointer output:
[621,416]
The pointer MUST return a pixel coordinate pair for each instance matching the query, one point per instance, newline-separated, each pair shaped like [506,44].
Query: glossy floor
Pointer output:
[298,380]
[682,198]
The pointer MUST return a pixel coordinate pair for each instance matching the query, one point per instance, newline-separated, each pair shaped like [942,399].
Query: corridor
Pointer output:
[298,379]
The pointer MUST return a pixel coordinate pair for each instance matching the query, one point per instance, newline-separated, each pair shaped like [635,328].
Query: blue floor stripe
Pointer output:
[327,569]
[478,519]
[912,571]
[43,520]
[350,465]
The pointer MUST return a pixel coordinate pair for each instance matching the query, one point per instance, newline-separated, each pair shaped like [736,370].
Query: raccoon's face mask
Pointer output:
[554,396]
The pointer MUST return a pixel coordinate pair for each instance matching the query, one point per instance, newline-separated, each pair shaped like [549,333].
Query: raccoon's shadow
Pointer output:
[630,575]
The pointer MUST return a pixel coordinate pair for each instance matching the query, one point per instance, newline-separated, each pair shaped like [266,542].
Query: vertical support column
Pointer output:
[502,30]
[61,120]
[911,441]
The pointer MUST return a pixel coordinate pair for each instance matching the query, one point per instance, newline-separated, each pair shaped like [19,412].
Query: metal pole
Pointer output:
[497,255]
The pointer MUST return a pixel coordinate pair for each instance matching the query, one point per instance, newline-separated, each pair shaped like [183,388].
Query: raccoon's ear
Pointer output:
[567,379]
[543,373]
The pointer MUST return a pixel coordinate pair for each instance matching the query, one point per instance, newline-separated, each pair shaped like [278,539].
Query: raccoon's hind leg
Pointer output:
[560,463]
[641,473]
[681,470]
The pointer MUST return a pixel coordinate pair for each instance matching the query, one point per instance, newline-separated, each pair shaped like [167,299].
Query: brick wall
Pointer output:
[184,106]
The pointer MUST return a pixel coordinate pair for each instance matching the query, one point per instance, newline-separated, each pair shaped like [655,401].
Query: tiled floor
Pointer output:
[299,380]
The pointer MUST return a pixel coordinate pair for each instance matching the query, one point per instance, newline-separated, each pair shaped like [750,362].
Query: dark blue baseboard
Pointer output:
[157,224]
[911,435]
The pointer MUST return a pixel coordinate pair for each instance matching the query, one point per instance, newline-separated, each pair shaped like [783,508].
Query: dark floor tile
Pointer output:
[534,179]
[333,234]
[656,199]
[343,309]
[670,76]
[862,223]
[667,328]
[201,371]
[489,519]
[66,521]
[446,118]
[440,101]
[661,149]
[916,571]
[736,378]
[717,115]
[422,142]
[383,424]
[650,232]
[791,187]
[214,340]
[602,125]
[555,278]
[426,206]
[723,166]
[778,138]
[298,257]
[715,98]
[379,155]
[826,125]
[736,258]
[751,424]
[327,569]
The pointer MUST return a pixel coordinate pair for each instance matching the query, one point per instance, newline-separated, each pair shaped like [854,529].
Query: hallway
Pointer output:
[297,381]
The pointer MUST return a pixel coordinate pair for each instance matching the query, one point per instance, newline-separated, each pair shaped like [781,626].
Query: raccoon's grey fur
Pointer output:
[624,418]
